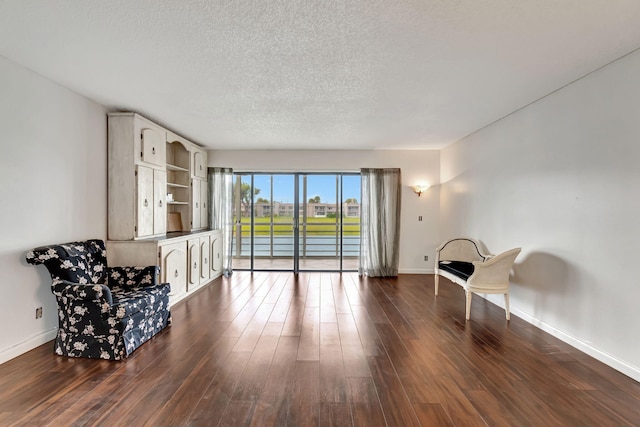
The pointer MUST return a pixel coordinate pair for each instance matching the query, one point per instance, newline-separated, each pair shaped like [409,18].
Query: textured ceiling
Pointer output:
[356,74]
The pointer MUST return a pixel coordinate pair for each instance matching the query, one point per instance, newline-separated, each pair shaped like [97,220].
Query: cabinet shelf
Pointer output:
[176,168]
[177,203]
[175,185]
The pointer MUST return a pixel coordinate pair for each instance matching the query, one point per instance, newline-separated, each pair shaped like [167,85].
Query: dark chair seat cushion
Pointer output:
[458,268]
[126,302]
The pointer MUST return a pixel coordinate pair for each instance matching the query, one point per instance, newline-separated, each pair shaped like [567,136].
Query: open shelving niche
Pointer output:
[178,182]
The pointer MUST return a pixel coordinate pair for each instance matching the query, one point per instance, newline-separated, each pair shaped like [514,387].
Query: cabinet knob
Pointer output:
[196,204]
[177,273]
[205,260]
[195,265]
[146,203]
[160,203]
[153,150]
[204,205]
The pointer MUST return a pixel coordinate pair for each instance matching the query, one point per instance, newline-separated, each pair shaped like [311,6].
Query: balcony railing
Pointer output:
[316,238]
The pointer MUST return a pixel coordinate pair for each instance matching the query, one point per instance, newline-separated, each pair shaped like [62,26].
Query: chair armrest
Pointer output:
[495,270]
[133,276]
[98,294]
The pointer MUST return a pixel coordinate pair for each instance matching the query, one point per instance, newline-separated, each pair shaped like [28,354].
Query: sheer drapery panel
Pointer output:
[380,222]
[221,214]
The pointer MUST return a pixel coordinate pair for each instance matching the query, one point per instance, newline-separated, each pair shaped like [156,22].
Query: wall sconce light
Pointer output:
[419,189]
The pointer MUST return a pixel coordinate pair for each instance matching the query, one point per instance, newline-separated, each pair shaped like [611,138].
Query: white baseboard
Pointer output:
[416,271]
[609,360]
[617,364]
[30,344]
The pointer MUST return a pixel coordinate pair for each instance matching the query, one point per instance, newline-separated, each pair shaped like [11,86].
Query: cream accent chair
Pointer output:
[462,261]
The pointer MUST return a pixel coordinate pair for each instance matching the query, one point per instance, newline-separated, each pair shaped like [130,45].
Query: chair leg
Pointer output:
[506,305]
[436,279]
[468,304]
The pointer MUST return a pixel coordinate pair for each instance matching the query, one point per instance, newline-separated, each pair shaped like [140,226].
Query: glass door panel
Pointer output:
[296,222]
[274,222]
[242,230]
[319,234]
[350,222]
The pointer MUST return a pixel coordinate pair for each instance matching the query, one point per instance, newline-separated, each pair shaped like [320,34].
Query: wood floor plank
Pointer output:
[280,310]
[237,414]
[366,409]
[335,414]
[333,386]
[309,348]
[252,333]
[184,401]
[340,297]
[459,408]
[398,410]
[272,409]
[432,414]
[280,349]
[252,380]
[353,355]
[371,343]
[304,405]
[295,317]
[217,396]
[327,302]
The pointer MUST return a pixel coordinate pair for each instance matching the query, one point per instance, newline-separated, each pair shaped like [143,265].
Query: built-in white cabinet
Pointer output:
[187,261]
[156,178]
[158,204]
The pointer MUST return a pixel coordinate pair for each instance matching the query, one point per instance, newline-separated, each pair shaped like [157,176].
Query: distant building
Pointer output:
[314,210]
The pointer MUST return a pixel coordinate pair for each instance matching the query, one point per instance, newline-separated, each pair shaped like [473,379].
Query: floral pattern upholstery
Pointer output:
[103,312]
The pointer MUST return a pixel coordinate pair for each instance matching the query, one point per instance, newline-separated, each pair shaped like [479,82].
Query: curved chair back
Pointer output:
[460,249]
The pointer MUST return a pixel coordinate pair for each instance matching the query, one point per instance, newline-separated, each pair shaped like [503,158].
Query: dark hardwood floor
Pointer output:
[270,349]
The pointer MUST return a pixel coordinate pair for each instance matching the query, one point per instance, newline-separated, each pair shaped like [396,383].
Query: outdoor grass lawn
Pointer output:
[314,226]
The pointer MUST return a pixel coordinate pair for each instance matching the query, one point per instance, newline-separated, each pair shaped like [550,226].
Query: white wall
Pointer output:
[561,178]
[417,239]
[53,187]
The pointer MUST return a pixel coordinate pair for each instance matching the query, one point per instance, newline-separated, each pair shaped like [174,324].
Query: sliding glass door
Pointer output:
[296,222]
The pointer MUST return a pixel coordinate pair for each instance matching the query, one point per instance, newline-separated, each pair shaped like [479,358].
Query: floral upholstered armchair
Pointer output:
[103,312]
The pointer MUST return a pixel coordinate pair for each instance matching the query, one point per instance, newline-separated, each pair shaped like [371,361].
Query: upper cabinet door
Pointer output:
[160,202]
[204,205]
[196,211]
[153,146]
[144,205]
[199,163]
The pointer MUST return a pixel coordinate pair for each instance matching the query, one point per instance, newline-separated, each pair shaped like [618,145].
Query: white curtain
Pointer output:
[221,211]
[380,222]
